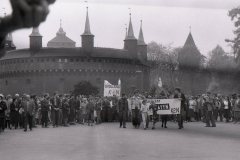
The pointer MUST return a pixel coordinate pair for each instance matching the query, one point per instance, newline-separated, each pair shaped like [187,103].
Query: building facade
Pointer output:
[61,65]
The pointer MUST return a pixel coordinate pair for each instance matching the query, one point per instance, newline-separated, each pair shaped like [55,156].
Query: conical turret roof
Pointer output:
[141,37]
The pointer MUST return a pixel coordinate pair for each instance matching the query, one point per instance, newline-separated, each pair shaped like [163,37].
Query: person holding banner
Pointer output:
[180,95]
[154,109]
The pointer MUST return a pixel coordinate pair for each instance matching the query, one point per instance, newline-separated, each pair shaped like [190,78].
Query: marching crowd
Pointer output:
[27,111]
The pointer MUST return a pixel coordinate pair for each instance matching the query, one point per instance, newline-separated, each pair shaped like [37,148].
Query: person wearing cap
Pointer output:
[3,108]
[123,110]
[178,94]
[28,109]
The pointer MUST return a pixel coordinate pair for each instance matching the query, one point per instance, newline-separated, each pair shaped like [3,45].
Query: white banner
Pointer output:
[167,106]
[112,90]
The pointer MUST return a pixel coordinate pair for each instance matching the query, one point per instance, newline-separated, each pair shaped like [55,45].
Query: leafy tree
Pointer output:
[235,17]
[165,56]
[220,60]
[85,88]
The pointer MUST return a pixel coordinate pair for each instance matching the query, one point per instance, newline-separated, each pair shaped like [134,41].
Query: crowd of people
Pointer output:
[25,111]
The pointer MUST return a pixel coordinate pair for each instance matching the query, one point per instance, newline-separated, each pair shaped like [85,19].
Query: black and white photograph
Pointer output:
[119,79]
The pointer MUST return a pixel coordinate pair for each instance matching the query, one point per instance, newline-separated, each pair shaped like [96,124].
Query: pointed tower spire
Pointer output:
[87,30]
[190,41]
[141,37]
[87,36]
[189,52]
[61,31]
[130,29]
[142,46]
[130,42]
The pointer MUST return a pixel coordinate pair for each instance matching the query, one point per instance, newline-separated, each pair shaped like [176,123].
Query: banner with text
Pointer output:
[167,106]
[112,90]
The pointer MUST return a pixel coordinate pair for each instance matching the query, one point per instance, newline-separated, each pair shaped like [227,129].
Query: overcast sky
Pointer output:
[164,21]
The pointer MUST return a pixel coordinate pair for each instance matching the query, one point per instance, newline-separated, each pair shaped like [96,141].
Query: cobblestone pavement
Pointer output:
[109,142]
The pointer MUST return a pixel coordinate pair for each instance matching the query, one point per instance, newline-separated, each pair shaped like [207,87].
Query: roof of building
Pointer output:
[190,42]
[130,34]
[141,37]
[68,52]
[35,33]
[87,30]
[61,38]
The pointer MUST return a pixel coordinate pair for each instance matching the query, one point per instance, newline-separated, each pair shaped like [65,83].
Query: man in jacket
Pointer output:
[28,109]
[123,110]
[45,106]
[180,95]
[3,107]
[55,102]
[209,107]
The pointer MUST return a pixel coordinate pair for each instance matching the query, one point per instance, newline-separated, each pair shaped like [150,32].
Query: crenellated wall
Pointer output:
[194,82]
[50,74]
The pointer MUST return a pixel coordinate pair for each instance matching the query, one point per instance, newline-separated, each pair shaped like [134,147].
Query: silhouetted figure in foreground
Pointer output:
[25,14]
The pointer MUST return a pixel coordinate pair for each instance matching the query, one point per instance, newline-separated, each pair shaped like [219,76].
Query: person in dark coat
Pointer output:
[164,118]
[209,107]
[3,108]
[14,112]
[90,111]
[98,111]
[135,108]
[180,95]
[65,110]
[45,107]
[106,108]
[55,103]
[123,110]
[72,106]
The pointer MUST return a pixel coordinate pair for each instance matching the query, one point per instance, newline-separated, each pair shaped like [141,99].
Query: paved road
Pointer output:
[108,142]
